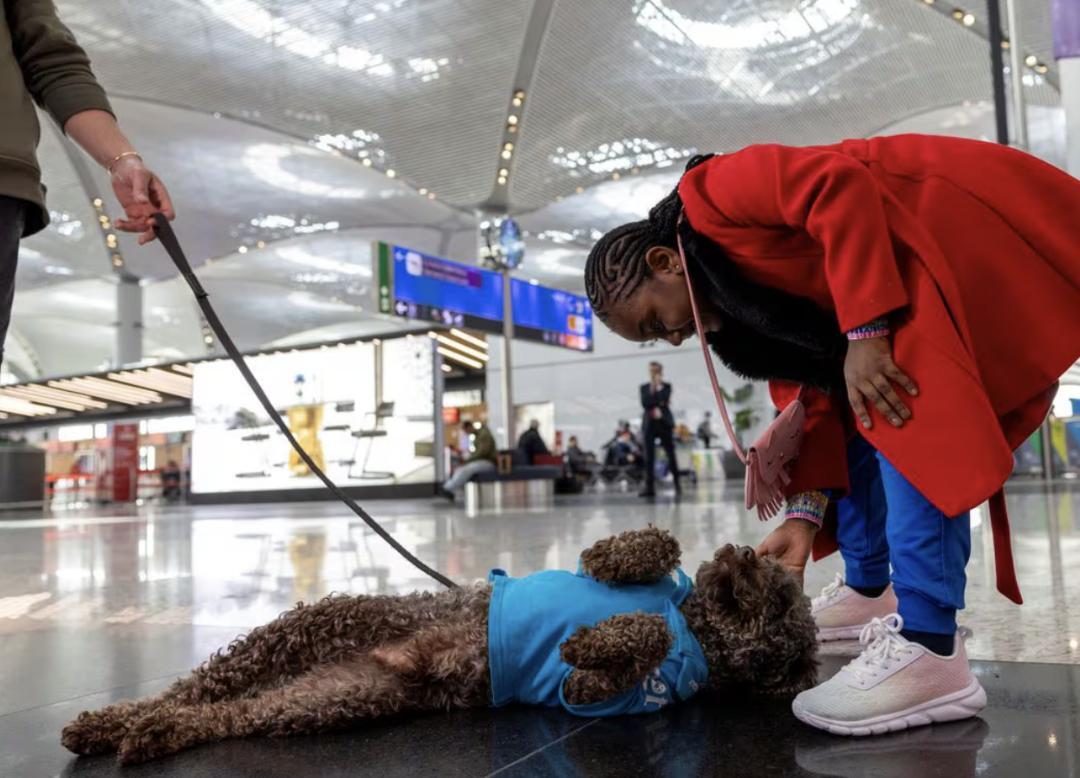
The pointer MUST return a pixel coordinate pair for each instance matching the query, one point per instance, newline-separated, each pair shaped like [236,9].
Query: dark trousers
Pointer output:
[662,431]
[12,220]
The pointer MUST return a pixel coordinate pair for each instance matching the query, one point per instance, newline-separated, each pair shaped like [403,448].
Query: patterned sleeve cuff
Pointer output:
[878,328]
[809,506]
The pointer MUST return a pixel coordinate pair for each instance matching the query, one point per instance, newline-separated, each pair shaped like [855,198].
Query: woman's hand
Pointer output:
[869,371]
[790,545]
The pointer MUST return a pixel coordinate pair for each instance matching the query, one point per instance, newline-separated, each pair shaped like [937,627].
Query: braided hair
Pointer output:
[616,266]
[767,333]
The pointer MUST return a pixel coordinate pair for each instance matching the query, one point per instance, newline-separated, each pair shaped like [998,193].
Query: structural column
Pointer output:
[1065,15]
[129,321]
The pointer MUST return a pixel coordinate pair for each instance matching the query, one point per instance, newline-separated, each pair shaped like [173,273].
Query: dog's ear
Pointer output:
[728,580]
[798,675]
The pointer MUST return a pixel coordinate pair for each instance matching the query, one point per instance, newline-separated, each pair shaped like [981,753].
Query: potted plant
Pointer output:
[743,418]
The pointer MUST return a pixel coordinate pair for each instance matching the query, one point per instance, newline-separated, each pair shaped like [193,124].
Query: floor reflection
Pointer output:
[240,566]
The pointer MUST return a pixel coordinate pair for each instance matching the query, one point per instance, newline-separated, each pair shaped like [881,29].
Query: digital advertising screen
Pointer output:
[417,286]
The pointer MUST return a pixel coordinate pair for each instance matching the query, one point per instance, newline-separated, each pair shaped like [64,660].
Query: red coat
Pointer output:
[972,248]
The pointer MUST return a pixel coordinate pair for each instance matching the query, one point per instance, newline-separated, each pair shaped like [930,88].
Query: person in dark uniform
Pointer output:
[657,422]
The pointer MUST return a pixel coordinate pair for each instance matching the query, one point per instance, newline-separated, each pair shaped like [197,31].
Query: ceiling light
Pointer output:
[446,368]
[511,128]
[24,407]
[1031,60]
[423,190]
[110,240]
[506,154]
[1005,44]
[242,249]
[501,181]
[512,119]
[431,196]
[49,394]
[29,395]
[509,146]
[580,189]
[390,173]
[456,357]
[472,352]
[615,176]
[207,339]
[98,202]
[366,162]
[969,19]
[1041,69]
[958,14]
[503,172]
[461,335]
[261,244]
[117,260]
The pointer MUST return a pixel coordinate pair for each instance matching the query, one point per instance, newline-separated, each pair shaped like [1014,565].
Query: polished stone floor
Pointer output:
[109,604]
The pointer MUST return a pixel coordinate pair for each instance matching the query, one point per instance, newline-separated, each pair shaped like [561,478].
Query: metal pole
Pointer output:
[1047,450]
[507,368]
[439,439]
[1016,74]
[997,71]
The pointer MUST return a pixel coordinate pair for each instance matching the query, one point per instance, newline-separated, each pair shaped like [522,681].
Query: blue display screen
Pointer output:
[458,295]
[427,287]
[560,318]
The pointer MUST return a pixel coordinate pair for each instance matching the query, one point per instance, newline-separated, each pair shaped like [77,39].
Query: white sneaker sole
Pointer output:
[952,707]
[827,634]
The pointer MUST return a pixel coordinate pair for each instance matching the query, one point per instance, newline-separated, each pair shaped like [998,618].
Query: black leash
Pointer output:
[172,246]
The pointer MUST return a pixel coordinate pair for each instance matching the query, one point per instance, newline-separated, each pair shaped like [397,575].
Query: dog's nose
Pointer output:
[747,553]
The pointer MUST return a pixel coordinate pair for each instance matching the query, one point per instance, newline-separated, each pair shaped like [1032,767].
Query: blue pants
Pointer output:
[885,521]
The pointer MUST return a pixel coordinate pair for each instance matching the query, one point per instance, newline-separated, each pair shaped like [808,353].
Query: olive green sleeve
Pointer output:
[55,68]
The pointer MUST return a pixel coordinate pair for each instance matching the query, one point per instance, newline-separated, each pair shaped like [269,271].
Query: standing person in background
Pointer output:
[40,62]
[481,460]
[704,430]
[657,422]
[531,443]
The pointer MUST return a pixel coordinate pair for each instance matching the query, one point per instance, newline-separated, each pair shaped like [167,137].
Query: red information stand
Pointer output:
[125,461]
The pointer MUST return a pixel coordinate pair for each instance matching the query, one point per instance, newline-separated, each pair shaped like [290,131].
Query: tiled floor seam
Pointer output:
[543,748]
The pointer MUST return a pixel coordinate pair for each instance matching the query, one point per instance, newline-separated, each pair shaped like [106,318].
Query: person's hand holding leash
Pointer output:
[141,193]
[869,372]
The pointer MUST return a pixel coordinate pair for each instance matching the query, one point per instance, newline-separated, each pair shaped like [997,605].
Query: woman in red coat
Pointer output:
[925,294]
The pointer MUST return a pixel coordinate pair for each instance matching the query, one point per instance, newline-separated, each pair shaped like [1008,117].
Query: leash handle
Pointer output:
[172,246]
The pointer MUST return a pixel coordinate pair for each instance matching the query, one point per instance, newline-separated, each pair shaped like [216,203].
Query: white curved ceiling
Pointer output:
[275,125]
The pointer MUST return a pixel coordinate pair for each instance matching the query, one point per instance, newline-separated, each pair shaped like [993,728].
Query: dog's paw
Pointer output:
[95,732]
[154,735]
[578,650]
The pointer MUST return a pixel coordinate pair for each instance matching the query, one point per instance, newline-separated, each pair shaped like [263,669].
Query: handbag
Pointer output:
[768,459]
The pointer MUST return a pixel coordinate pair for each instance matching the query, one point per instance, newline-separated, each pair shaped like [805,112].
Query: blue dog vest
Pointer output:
[529,618]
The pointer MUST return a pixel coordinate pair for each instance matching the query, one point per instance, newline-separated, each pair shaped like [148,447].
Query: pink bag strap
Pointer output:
[717,391]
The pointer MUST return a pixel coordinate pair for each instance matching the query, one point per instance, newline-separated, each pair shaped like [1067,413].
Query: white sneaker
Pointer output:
[894,684]
[841,612]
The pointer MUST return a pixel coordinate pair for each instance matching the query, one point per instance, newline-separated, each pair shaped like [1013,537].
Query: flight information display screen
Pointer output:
[551,316]
[418,286]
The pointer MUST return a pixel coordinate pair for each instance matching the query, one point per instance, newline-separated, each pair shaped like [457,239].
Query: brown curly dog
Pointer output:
[346,659]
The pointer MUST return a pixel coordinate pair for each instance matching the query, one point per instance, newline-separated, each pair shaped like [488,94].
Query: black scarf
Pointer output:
[767,334]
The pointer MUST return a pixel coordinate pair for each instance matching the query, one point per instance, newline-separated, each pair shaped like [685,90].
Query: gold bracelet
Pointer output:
[120,156]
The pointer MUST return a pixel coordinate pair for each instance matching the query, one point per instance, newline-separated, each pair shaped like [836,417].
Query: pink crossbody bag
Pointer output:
[768,459]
